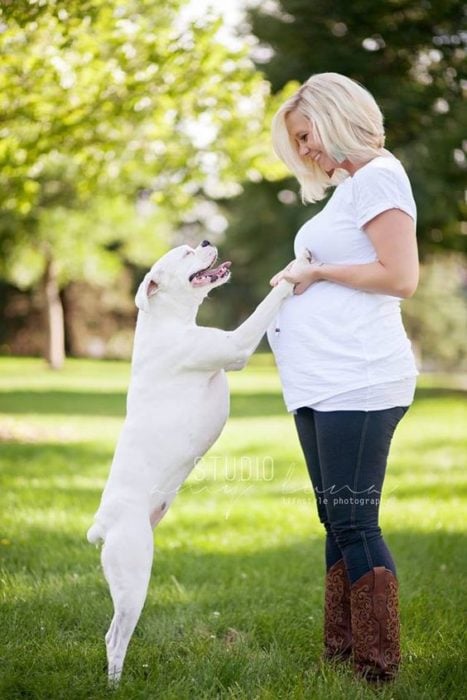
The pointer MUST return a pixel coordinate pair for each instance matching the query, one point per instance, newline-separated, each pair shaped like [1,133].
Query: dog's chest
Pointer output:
[219,395]
[206,409]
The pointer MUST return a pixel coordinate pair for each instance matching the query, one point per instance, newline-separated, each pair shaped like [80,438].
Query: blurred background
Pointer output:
[130,126]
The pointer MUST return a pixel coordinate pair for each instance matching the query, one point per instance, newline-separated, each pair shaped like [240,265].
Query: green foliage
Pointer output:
[91,243]
[110,98]
[235,601]
[410,55]
[436,317]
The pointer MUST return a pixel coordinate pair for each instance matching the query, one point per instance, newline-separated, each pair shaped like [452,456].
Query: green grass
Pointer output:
[234,608]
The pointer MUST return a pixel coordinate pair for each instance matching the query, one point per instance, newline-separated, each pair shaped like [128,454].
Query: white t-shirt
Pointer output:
[333,339]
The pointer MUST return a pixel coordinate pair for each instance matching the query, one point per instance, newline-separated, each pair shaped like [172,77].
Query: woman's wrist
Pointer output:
[318,270]
[366,277]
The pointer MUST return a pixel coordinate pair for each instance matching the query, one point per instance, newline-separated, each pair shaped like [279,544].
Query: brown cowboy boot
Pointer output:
[337,625]
[375,625]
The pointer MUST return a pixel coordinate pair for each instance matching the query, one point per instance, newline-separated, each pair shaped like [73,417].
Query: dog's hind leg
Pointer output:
[126,559]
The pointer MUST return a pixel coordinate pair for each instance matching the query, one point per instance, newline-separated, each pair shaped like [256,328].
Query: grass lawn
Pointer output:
[234,608]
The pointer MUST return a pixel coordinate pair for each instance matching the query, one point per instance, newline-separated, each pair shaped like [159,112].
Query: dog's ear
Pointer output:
[146,289]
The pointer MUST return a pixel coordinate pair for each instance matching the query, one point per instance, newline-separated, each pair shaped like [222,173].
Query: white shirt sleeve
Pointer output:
[377,189]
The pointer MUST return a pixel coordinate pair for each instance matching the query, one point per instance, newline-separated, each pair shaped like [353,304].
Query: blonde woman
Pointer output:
[345,362]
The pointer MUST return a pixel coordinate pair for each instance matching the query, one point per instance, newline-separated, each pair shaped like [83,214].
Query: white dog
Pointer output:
[177,405]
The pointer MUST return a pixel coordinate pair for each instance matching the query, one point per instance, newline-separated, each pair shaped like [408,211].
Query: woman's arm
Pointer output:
[395,272]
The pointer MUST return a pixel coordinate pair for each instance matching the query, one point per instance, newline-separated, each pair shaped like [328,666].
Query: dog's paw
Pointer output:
[285,287]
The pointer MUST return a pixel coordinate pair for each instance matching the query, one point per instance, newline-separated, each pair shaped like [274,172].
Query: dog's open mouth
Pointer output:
[210,274]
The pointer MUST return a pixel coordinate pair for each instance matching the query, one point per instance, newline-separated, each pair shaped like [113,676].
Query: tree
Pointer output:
[113,99]
[410,55]
[436,317]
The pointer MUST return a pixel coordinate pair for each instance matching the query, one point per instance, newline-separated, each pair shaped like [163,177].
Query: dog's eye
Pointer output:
[188,252]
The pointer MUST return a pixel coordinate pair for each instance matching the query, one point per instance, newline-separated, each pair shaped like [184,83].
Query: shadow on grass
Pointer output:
[46,460]
[89,403]
[256,405]
[423,393]
[98,403]
[67,403]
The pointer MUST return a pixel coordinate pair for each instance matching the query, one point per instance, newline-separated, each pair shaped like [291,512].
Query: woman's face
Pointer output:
[307,143]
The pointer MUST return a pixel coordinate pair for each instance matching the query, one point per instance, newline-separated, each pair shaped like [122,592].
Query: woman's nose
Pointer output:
[303,149]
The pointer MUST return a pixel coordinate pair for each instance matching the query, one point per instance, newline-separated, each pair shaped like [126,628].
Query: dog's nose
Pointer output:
[204,244]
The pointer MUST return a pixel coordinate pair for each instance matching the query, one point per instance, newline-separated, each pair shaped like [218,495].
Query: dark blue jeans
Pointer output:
[346,454]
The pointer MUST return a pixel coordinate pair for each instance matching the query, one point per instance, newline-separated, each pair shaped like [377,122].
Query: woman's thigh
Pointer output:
[353,448]
[305,424]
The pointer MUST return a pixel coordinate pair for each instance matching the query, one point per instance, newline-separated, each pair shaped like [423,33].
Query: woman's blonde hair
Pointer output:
[347,120]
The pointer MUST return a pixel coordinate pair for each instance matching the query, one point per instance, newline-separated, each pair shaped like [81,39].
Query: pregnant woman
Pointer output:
[345,362]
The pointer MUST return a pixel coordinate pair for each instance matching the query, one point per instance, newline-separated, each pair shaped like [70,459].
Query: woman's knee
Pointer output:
[349,534]
[322,513]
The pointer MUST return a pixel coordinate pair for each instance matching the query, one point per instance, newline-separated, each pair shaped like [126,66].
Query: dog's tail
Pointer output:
[95,533]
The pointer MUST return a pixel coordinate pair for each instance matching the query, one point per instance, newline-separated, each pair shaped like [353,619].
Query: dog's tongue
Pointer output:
[211,275]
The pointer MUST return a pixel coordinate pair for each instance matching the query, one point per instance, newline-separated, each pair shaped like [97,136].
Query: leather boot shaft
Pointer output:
[337,622]
[374,601]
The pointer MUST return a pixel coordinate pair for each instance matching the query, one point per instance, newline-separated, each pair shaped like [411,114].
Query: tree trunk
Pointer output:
[55,353]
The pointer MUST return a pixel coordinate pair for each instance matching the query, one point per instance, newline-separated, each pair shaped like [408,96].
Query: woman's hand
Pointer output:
[280,275]
[300,273]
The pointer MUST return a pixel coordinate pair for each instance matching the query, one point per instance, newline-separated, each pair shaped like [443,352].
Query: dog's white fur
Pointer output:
[177,405]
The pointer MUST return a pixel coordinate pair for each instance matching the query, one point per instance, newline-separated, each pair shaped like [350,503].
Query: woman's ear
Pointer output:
[146,290]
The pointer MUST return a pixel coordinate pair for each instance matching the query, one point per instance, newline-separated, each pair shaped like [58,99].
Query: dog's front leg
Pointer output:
[211,349]
[247,336]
